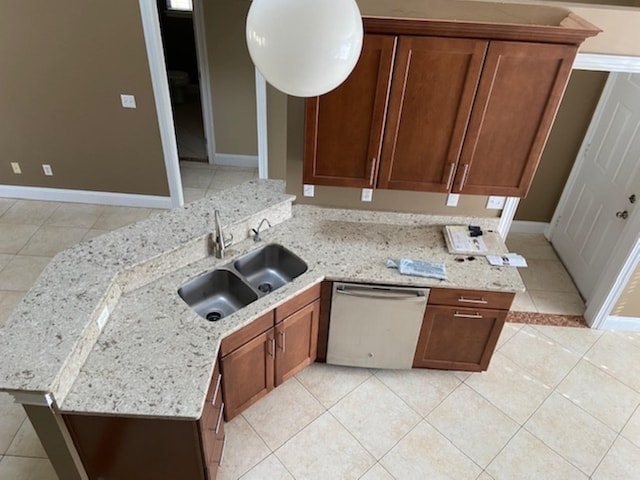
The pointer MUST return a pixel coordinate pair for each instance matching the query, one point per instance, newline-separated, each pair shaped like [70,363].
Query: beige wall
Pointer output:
[629,302]
[232,77]
[64,66]
[565,139]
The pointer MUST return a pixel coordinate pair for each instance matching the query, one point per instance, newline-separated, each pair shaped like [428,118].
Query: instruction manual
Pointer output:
[460,242]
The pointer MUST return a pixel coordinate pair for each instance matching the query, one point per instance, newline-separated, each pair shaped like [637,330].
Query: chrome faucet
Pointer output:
[219,241]
[256,231]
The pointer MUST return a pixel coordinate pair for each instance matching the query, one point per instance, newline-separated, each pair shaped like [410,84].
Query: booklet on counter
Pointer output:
[460,242]
[507,260]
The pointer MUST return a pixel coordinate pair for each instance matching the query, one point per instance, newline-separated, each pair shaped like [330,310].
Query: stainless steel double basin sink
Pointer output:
[219,293]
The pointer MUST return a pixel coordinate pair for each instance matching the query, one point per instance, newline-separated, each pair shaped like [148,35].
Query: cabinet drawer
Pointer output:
[245,334]
[295,304]
[471,298]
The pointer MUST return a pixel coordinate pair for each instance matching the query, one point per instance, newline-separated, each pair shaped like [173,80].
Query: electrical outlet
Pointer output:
[452,199]
[128,101]
[15,166]
[46,168]
[308,190]
[496,203]
[367,194]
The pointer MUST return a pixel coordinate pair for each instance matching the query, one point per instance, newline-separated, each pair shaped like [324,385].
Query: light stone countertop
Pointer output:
[155,356]
[49,335]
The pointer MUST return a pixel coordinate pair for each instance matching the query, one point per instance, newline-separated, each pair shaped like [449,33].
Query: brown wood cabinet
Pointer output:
[466,115]
[273,348]
[517,100]
[344,127]
[152,448]
[460,329]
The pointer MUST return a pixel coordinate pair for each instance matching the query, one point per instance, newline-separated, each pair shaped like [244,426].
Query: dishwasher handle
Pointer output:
[383,295]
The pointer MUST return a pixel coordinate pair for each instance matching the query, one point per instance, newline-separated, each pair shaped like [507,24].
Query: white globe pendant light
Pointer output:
[304,47]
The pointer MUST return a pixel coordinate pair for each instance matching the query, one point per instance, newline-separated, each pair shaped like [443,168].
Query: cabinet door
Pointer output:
[517,100]
[434,84]
[297,341]
[458,338]
[343,131]
[247,374]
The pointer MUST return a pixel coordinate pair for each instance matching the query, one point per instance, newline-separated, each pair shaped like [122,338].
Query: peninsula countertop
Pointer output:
[155,355]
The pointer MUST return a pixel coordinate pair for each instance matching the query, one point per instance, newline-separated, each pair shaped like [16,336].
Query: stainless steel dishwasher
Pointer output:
[375,326]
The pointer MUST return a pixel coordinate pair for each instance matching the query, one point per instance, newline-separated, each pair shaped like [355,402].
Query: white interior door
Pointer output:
[601,198]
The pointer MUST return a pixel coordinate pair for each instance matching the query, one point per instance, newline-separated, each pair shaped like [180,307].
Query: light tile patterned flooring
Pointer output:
[556,403]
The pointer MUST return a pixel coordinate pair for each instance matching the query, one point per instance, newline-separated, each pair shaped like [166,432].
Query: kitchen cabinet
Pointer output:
[344,127]
[270,350]
[151,448]
[465,115]
[461,328]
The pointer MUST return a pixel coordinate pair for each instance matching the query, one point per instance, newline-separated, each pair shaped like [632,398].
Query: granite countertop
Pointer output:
[154,355]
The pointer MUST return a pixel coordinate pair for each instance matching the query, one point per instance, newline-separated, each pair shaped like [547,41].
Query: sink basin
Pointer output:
[270,267]
[217,294]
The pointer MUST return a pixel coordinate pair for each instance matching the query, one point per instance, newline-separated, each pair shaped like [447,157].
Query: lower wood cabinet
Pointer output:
[460,329]
[151,448]
[269,351]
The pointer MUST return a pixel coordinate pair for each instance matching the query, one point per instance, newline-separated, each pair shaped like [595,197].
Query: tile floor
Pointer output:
[555,403]
[549,286]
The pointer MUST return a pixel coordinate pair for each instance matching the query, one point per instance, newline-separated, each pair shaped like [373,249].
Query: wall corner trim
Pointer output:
[621,324]
[85,196]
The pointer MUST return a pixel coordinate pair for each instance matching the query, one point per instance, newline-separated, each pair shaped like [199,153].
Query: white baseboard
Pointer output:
[524,226]
[85,196]
[230,160]
[621,324]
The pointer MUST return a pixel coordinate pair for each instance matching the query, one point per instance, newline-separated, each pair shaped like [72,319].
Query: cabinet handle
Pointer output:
[467,315]
[472,300]
[464,175]
[451,172]
[215,392]
[272,345]
[219,422]
[224,444]
[282,341]
[373,170]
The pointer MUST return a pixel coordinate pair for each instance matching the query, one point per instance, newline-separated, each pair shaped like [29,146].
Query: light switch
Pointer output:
[128,101]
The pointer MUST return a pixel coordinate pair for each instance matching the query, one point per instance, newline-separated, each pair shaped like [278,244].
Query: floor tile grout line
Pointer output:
[606,371]
[352,435]
[399,397]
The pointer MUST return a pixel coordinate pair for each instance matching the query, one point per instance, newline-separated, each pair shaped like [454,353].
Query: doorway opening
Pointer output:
[183,73]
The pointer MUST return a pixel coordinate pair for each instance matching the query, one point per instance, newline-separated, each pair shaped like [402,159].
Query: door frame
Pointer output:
[626,253]
[204,80]
[162,99]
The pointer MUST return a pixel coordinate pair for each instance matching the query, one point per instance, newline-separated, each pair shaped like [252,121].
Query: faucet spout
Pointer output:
[220,242]
[256,231]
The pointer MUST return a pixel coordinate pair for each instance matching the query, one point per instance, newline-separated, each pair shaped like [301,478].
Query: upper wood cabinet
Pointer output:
[344,127]
[517,100]
[439,113]
[434,84]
